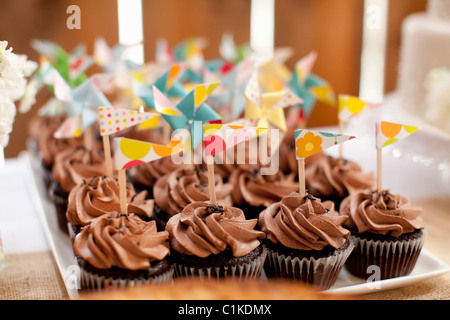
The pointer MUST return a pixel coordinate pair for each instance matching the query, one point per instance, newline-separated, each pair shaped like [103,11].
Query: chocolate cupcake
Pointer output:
[144,176]
[72,167]
[253,192]
[99,196]
[333,179]
[388,233]
[214,242]
[117,250]
[306,240]
[44,146]
[174,191]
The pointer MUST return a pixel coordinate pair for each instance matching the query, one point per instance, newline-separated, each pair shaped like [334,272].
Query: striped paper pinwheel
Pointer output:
[267,108]
[80,104]
[71,66]
[308,86]
[190,109]
[167,84]
[107,58]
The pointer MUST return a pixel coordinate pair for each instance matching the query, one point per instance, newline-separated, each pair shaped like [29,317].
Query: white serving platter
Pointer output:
[427,265]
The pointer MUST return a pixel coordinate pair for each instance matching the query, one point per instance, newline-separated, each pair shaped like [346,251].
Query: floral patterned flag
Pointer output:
[388,132]
[308,143]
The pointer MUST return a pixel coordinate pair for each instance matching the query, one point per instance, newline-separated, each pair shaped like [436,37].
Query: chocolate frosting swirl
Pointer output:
[41,129]
[260,190]
[174,191]
[121,240]
[74,165]
[303,222]
[383,213]
[329,176]
[202,230]
[101,195]
[147,173]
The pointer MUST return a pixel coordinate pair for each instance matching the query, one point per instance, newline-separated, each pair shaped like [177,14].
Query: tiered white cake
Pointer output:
[425,47]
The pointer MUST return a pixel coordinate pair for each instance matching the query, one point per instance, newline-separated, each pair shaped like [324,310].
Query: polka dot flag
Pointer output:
[112,120]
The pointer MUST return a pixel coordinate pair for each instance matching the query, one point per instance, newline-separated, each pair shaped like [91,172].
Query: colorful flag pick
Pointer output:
[387,133]
[308,86]
[130,153]
[308,143]
[350,106]
[267,107]
[220,137]
[112,119]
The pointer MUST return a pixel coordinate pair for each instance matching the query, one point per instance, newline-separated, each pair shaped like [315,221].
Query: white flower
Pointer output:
[7,115]
[13,70]
[29,97]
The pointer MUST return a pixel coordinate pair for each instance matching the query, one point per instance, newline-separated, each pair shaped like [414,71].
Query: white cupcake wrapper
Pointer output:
[306,268]
[92,281]
[377,252]
[247,271]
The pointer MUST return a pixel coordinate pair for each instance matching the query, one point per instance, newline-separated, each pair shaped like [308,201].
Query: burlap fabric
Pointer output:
[35,275]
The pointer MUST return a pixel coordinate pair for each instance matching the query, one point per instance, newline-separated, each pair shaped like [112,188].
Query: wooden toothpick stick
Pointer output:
[211,180]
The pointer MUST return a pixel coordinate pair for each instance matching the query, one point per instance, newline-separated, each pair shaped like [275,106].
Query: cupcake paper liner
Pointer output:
[321,272]
[246,271]
[92,281]
[60,200]
[394,258]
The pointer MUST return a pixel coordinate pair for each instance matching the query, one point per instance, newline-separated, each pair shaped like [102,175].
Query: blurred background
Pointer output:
[333,28]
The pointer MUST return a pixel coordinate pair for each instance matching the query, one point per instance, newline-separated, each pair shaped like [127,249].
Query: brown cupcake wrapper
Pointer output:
[92,281]
[320,272]
[60,201]
[394,258]
[246,271]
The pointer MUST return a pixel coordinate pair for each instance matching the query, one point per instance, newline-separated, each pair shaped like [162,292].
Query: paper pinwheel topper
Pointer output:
[220,137]
[389,132]
[267,108]
[190,109]
[308,143]
[350,106]
[71,66]
[80,104]
[167,84]
[308,86]
[107,57]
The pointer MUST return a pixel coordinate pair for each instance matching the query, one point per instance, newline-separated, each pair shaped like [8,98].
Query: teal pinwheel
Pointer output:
[190,109]
[308,86]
